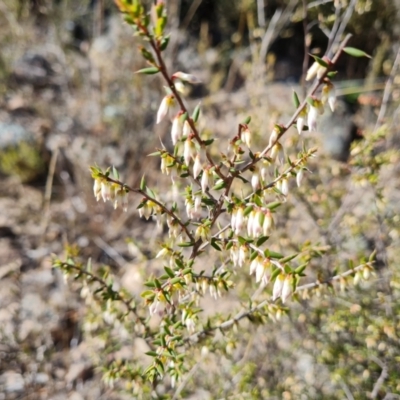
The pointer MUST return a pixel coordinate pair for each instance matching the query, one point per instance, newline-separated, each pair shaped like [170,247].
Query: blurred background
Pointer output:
[69,98]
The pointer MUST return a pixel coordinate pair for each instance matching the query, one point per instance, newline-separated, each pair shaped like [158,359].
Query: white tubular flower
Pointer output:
[315,70]
[301,120]
[121,197]
[284,187]
[299,177]
[197,203]
[262,274]
[186,128]
[186,78]
[197,167]
[166,103]
[250,223]
[255,181]
[164,252]
[189,150]
[287,288]
[190,325]
[239,220]
[146,211]
[176,130]
[332,99]
[329,95]
[204,180]
[268,223]
[154,307]
[278,286]
[243,253]
[234,253]
[274,137]
[254,264]
[97,189]
[257,224]
[246,137]
[264,173]
[312,118]
[105,191]
[189,207]
[277,153]
[233,218]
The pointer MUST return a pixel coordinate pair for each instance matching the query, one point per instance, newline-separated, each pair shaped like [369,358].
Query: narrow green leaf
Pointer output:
[156,153]
[331,74]
[143,184]
[186,244]
[275,273]
[273,254]
[147,293]
[248,210]
[215,245]
[289,258]
[196,113]
[148,71]
[300,270]
[296,100]
[261,240]
[352,51]
[169,272]
[115,173]
[287,269]
[176,280]
[247,120]
[220,185]
[242,240]
[320,61]
[164,42]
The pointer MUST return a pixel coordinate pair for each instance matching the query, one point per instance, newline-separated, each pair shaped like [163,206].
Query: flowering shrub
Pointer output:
[224,220]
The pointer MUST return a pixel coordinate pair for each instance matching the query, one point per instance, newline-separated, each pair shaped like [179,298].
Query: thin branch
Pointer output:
[387,91]
[345,20]
[247,313]
[117,296]
[381,380]
[303,104]
[155,201]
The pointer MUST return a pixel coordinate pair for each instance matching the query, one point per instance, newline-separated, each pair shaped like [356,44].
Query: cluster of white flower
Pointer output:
[259,221]
[109,191]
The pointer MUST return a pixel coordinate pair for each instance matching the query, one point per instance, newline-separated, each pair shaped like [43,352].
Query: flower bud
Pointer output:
[274,137]
[255,180]
[315,70]
[284,187]
[246,137]
[186,78]
[299,177]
